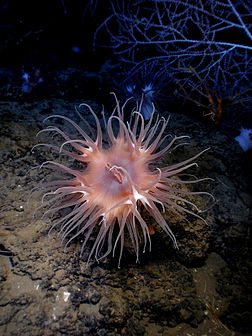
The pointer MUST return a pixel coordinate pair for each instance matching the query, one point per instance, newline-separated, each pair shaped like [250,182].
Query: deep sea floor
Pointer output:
[204,288]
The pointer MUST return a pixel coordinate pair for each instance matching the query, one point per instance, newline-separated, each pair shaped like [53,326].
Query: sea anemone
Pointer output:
[245,138]
[150,84]
[145,99]
[117,179]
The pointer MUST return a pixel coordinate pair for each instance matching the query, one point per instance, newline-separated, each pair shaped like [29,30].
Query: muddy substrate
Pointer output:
[204,288]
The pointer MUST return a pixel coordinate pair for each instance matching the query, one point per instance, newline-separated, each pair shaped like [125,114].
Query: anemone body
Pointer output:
[118,180]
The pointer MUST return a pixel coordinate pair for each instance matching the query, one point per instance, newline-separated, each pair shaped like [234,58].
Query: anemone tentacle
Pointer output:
[116,180]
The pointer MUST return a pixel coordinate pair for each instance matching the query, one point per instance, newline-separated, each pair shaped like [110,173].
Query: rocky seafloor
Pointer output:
[204,288]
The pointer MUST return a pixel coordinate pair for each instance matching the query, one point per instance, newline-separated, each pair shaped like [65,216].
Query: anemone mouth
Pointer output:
[116,182]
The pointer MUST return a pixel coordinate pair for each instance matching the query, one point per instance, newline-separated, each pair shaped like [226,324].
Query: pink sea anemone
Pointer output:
[116,181]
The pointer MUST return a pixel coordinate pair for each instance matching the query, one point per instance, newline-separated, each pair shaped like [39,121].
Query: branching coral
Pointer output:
[211,102]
